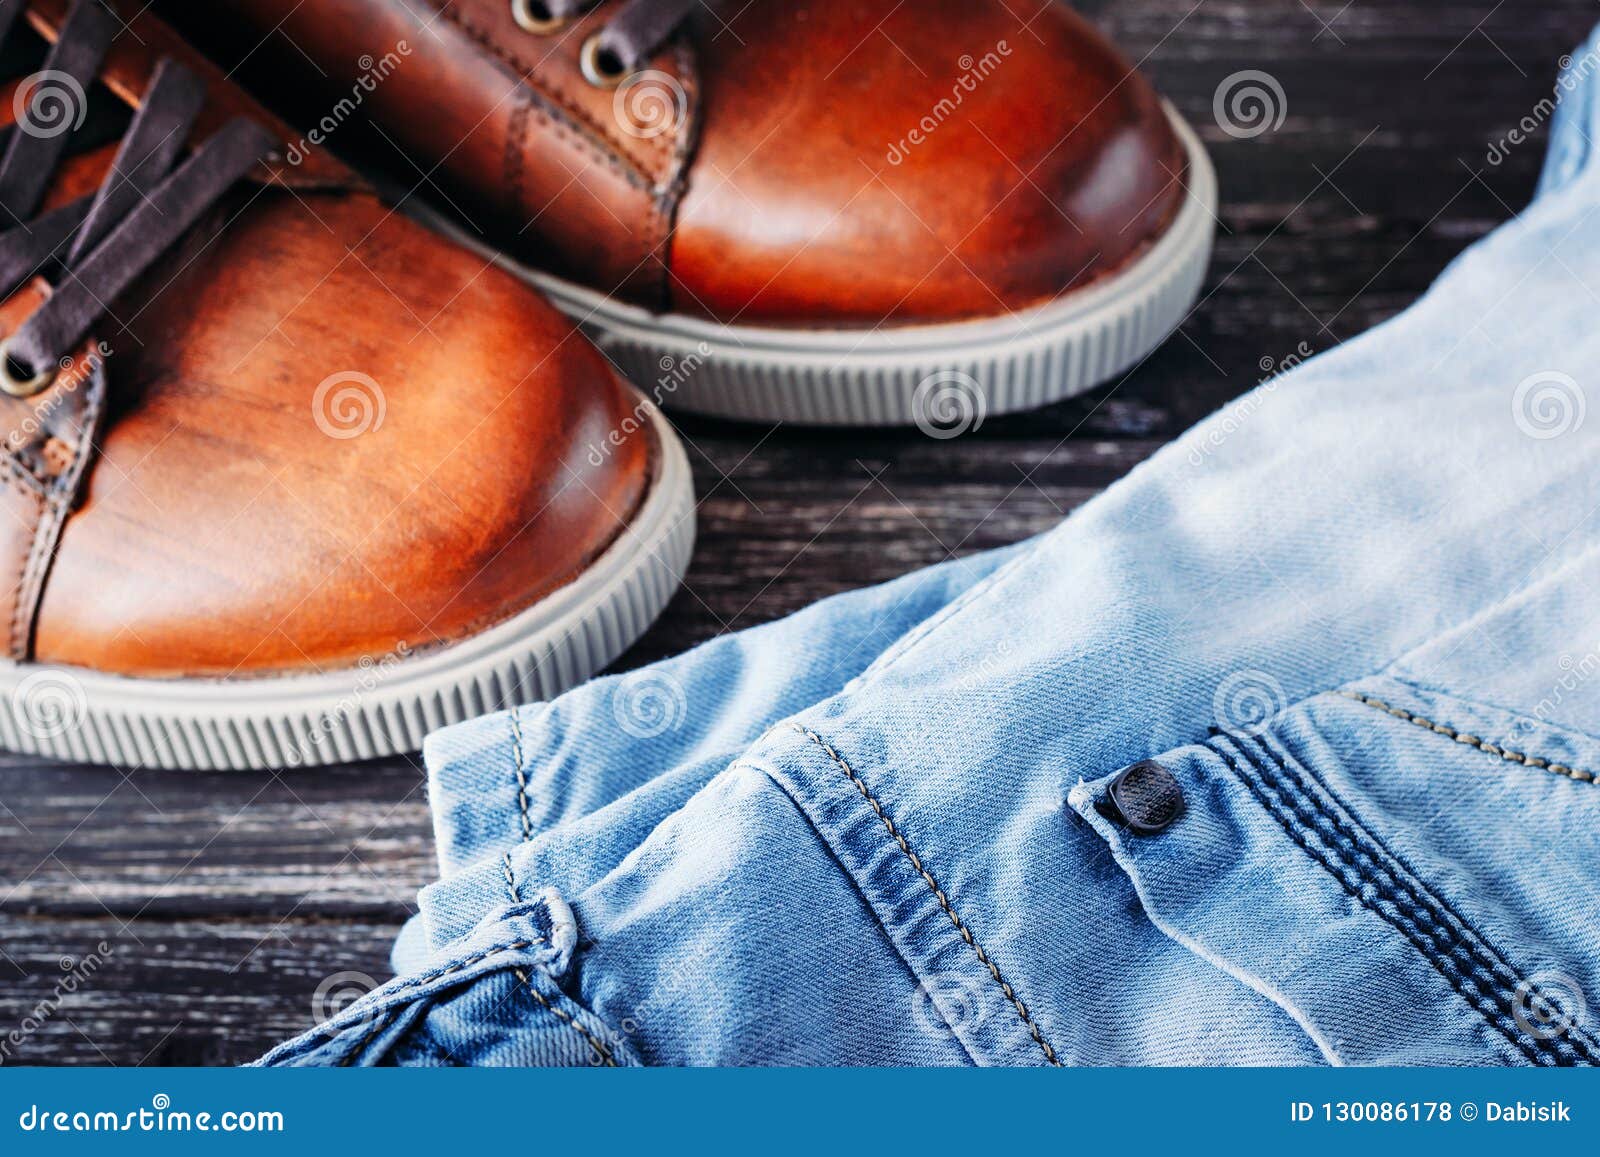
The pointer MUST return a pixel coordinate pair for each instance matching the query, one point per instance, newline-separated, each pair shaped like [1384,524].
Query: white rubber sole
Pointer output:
[942,378]
[380,708]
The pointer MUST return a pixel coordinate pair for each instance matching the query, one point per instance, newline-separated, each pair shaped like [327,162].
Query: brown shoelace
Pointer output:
[92,249]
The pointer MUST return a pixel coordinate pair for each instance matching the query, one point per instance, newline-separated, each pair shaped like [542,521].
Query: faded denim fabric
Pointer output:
[1353,616]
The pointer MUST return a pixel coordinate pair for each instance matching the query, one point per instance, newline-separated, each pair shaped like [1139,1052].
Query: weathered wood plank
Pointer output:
[183,993]
[350,842]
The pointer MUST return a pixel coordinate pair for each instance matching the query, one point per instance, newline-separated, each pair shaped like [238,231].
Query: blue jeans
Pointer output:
[1281,751]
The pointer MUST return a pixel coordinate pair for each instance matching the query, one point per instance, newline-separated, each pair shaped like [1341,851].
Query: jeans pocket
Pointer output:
[1385,875]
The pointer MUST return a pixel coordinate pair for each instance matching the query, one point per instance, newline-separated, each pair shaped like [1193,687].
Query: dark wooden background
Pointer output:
[227,898]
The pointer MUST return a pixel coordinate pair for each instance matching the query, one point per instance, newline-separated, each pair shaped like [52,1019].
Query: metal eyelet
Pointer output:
[17,385]
[534,16]
[600,66]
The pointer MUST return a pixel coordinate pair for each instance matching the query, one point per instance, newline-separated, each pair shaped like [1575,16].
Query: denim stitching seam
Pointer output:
[599,1047]
[1505,753]
[1468,969]
[520,765]
[511,880]
[957,606]
[384,1019]
[1482,963]
[1491,967]
[938,893]
[1300,830]
[1473,969]
[595,1043]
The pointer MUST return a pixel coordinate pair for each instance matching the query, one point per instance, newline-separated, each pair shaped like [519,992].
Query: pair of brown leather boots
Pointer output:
[294,478]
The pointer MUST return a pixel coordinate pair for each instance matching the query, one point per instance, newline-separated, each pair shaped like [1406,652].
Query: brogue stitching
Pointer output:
[17,473]
[550,117]
[939,895]
[515,157]
[664,209]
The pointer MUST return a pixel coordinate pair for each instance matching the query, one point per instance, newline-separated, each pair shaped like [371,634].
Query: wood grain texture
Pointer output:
[229,898]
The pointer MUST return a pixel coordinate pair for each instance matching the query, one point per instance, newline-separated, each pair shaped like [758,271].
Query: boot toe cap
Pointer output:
[874,162]
[338,437]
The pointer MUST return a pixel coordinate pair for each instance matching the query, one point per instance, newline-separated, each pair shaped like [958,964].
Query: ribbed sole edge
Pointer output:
[943,378]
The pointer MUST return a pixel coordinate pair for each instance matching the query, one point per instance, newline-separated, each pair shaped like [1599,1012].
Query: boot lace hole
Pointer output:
[535,16]
[601,66]
[17,378]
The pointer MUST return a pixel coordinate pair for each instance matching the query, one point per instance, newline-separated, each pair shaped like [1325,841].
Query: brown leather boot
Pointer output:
[288,478]
[862,212]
